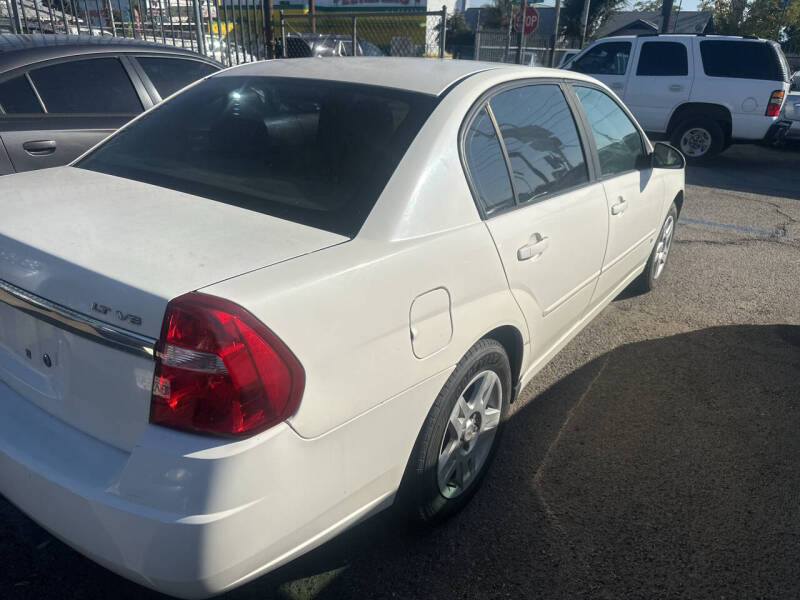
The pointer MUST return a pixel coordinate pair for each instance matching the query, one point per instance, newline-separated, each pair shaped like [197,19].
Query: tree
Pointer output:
[497,15]
[599,11]
[652,6]
[765,18]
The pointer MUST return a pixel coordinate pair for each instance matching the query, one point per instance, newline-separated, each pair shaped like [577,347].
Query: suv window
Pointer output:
[541,139]
[619,145]
[172,74]
[741,60]
[609,58]
[662,59]
[17,97]
[309,151]
[97,85]
[486,164]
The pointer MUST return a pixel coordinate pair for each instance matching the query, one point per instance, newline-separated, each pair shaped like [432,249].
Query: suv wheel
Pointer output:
[698,138]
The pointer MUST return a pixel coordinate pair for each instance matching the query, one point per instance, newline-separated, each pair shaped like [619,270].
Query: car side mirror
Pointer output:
[665,156]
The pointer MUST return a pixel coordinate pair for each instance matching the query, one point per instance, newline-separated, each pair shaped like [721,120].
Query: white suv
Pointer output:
[703,92]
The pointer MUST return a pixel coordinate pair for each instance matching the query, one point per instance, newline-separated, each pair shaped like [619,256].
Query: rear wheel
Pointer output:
[460,435]
[699,138]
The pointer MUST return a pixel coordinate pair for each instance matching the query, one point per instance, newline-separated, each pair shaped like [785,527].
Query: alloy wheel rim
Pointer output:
[695,141]
[663,246]
[470,433]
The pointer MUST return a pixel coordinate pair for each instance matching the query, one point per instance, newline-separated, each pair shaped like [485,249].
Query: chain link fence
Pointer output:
[362,33]
[231,31]
[503,45]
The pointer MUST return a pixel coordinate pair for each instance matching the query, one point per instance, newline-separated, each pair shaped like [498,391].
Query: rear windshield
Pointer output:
[309,151]
[741,60]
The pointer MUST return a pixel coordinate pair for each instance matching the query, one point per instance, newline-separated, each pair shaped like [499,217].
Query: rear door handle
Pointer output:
[40,147]
[617,86]
[534,249]
[675,88]
[619,207]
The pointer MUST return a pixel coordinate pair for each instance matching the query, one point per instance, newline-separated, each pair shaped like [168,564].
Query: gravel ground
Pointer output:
[655,457]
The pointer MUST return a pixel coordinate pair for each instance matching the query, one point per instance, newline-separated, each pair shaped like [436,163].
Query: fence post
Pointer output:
[444,31]
[353,35]
[283,35]
[17,24]
[268,17]
[312,10]
[476,54]
[198,26]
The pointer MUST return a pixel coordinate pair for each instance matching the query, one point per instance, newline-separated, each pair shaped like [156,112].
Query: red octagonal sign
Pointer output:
[531,20]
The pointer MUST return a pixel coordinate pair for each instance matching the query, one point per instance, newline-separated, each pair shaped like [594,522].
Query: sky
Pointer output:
[684,4]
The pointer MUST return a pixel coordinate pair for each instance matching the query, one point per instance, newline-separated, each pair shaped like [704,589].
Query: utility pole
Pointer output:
[555,34]
[666,14]
[521,32]
[584,22]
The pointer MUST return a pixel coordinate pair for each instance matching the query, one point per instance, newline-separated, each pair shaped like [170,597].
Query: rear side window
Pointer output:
[608,58]
[94,86]
[741,60]
[172,74]
[619,145]
[541,139]
[663,59]
[17,97]
[309,151]
[487,165]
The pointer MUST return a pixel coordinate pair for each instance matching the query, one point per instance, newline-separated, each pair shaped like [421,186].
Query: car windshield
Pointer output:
[314,152]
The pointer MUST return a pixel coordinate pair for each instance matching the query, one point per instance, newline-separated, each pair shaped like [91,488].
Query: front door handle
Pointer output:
[619,207]
[40,147]
[617,86]
[533,249]
[675,88]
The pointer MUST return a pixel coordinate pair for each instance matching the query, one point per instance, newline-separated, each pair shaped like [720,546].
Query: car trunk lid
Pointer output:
[112,251]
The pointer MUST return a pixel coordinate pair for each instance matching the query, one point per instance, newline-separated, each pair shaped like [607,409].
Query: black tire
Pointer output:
[651,275]
[700,123]
[420,495]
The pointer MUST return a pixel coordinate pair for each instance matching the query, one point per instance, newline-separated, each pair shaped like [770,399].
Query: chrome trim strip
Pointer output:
[75,322]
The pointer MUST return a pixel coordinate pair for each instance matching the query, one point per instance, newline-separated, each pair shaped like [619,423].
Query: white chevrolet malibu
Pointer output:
[300,291]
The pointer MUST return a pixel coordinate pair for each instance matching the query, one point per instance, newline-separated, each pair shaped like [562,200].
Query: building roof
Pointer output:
[424,75]
[634,22]
[18,50]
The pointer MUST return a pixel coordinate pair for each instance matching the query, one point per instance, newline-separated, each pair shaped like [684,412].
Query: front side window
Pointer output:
[608,58]
[741,60]
[94,86]
[663,59]
[169,75]
[541,139]
[309,151]
[487,165]
[17,97]
[619,145]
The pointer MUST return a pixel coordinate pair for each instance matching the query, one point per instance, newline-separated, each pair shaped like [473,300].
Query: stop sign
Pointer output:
[531,20]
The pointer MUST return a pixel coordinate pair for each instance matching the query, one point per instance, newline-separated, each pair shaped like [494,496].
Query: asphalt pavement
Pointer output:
[657,456]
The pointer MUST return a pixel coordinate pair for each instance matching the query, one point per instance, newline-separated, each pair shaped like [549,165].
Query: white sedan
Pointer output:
[300,291]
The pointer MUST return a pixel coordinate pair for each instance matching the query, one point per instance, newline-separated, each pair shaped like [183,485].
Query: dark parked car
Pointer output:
[301,45]
[61,94]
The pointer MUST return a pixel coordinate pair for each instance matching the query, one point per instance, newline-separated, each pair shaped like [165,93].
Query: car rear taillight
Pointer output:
[220,370]
[775,103]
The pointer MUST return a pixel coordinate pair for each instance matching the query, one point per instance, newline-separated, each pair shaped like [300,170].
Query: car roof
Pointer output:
[19,50]
[423,75]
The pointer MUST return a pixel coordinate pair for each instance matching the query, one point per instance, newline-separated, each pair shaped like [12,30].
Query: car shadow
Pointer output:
[663,468]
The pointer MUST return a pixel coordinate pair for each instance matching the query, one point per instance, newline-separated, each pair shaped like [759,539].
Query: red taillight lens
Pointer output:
[775,103]
[220,370]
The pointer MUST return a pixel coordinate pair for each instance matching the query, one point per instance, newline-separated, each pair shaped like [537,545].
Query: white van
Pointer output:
[703,92]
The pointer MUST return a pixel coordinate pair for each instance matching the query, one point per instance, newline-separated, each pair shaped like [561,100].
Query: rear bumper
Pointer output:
[193,516]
